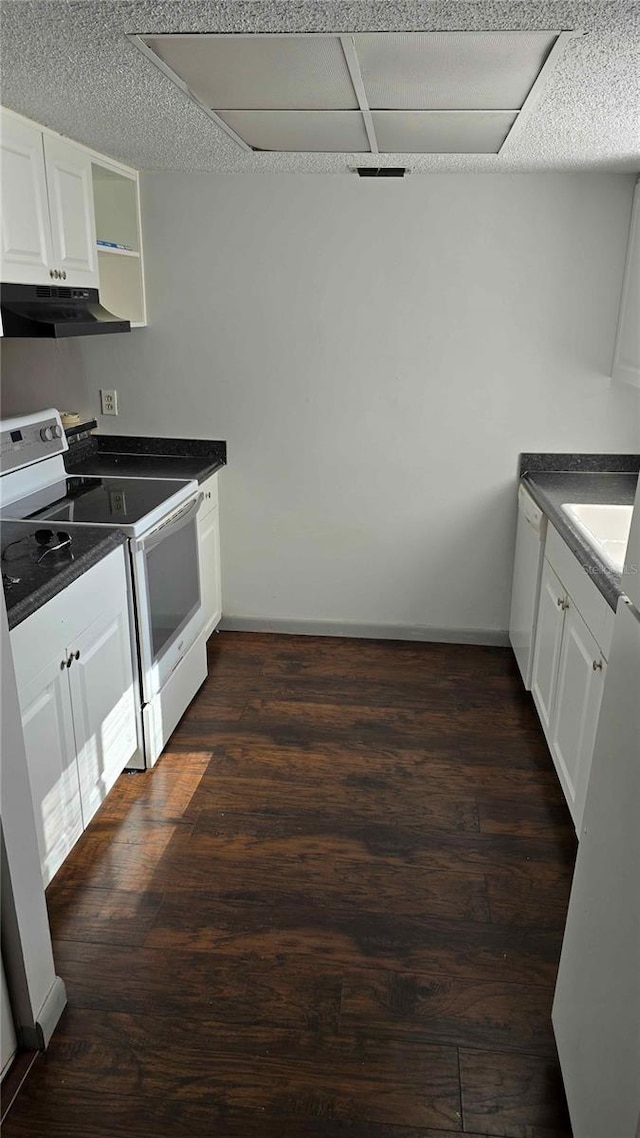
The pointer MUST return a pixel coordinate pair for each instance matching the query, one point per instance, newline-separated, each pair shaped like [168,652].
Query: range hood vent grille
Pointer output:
[43,291]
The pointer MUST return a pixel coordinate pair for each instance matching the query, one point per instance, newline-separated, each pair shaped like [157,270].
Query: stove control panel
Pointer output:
[26,439]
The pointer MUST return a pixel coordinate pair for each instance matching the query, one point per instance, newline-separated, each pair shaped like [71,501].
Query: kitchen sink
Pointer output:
[606,528]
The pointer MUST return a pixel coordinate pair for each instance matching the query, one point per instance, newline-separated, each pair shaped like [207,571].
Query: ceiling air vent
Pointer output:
[373,93]
[381,171]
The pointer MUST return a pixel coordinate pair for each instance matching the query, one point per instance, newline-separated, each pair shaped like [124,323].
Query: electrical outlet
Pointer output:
[109,402]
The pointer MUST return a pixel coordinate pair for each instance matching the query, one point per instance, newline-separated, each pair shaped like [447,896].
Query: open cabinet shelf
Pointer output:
[117,252]
[117,211]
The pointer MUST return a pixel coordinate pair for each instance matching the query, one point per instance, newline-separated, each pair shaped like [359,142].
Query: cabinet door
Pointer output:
[26,240]
[73,227]
[579,694]
[47,723]
[103,702]
[547,647]
[210,578]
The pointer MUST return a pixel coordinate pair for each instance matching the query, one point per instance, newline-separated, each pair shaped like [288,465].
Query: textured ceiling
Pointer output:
[70,66]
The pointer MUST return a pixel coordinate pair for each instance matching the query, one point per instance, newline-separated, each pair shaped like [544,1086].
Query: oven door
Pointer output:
[168,594]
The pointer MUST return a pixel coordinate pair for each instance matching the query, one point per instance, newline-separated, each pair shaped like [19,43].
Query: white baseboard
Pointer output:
[492,637]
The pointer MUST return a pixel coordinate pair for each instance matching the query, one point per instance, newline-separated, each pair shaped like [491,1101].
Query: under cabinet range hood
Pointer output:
[55,312]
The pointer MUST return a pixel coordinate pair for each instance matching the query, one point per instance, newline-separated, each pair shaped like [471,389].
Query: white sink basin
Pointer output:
[606,528]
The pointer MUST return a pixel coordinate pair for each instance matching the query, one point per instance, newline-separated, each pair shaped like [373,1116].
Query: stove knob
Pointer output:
[56,432]
[45,434]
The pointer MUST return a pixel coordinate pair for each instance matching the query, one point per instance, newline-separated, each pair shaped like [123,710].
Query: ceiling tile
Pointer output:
[451,70]
[441,132]
[324,131]
[260,72]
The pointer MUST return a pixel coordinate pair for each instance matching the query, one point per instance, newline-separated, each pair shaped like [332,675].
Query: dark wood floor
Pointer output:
[333,910]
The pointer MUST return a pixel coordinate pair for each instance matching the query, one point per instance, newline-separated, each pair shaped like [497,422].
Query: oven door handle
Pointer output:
[166,529]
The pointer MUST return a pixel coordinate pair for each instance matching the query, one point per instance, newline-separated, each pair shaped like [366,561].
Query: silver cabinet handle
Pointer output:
[70,660]
[77,655]
[597,665]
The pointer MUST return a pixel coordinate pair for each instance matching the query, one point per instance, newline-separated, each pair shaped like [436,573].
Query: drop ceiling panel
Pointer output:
[441,132]
[260,72]
[322,131]
[451,70]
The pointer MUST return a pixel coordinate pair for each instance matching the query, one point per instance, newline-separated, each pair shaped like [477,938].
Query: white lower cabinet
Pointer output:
[47,722]
[548,642]
[102,699]
[581,674]
[209,546]
[79,707]
[569,669]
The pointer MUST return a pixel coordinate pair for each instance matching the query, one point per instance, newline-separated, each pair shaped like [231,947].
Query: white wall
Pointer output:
[376,355]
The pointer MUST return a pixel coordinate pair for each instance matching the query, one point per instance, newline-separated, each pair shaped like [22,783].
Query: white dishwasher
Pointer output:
[527,571]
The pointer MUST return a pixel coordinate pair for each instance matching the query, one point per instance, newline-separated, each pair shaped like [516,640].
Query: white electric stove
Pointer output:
[159,517]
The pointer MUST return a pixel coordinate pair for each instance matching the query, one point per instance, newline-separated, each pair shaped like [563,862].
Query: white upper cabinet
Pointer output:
[69,217]
[626,357]
[26,232]
[46,193]
[73,227]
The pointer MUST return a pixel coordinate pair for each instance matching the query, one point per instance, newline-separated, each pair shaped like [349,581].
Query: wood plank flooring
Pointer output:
[333,910]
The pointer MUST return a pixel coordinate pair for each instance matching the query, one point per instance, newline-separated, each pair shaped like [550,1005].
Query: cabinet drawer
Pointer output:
[210,490]
[596,613]
[65,616]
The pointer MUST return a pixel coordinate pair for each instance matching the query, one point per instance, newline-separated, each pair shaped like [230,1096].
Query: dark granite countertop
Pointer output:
[552,488]
[579,463]
[38,583]
[140,456]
